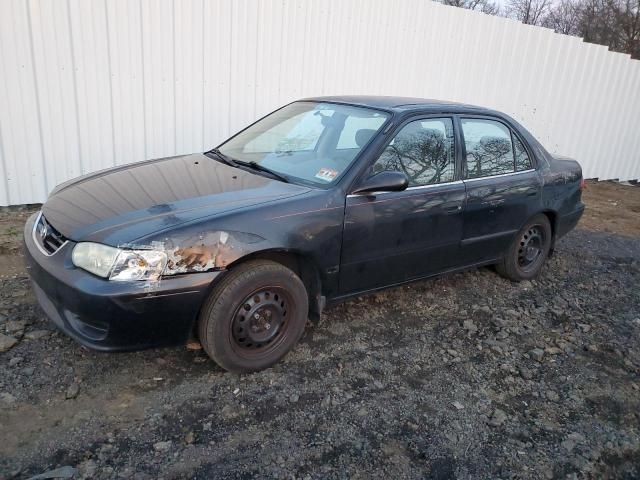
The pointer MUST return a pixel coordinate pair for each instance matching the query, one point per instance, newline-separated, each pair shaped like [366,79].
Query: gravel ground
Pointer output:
[467,376]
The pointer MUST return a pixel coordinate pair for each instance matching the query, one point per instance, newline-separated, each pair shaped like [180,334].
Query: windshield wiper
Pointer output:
[222,157]
[252,165]
[256,166]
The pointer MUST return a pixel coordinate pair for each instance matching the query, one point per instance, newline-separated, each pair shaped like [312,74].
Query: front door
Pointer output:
[392,237]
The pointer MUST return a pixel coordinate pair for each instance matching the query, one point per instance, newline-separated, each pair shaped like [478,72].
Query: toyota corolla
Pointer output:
[321,200]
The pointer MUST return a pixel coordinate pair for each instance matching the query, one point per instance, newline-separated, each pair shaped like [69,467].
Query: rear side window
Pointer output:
[489,148]
[423,150]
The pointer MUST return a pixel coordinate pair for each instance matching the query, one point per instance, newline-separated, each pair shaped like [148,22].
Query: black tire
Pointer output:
[525,256]
[254,316]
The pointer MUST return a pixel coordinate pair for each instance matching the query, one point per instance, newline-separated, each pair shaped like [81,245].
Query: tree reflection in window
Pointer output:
[522,157]
[488,146]
[490,156]
[422,150]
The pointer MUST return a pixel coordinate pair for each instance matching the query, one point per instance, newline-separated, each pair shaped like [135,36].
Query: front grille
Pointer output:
[46,237]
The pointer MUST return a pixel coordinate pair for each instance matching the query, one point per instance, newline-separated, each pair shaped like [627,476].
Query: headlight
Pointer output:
[119,264]
[95,258]
[139,265]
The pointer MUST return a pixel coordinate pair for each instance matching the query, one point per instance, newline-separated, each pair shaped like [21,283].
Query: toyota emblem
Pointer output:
[43,230]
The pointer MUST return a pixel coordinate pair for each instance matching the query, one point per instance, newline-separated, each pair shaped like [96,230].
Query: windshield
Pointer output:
[309,141]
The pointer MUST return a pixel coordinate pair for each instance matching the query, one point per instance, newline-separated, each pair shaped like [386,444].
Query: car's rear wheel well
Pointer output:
[302,266]
[553,218]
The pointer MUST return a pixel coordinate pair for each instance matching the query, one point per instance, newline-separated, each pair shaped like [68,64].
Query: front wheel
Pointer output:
[254,316]
[525,256]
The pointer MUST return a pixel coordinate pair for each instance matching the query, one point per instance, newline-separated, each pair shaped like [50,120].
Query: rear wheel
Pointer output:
[526,254]
[254,316]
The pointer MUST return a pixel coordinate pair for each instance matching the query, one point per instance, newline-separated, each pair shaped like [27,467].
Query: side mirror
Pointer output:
[383,182]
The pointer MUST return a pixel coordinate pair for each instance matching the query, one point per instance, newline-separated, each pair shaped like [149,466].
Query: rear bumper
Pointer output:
[113,316]
[567,222]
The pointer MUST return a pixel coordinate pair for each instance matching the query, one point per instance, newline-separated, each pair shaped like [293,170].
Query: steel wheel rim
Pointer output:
[531,248]
[261,322]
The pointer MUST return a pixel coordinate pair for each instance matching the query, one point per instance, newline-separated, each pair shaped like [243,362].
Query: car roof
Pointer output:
[400,104]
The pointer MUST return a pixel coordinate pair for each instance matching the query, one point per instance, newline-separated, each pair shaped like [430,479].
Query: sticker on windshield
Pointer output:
[326,174]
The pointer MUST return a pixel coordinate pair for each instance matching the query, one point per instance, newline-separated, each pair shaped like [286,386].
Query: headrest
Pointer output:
[363,136]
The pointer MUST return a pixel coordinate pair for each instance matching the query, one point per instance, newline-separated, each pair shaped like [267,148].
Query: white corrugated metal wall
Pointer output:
[87,84]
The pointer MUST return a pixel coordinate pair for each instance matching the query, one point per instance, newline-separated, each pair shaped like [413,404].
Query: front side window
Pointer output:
[489,148]
[307,141]
[423,150]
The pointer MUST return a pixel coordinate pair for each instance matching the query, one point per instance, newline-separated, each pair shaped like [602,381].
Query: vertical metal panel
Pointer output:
[217,75]
[90,51]
[126,70]
[89,84]
[23,167]
[55,74]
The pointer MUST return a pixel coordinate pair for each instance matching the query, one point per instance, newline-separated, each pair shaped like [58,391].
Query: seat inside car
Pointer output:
[363,136]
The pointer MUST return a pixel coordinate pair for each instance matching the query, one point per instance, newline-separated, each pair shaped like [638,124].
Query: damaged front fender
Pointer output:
[204,251]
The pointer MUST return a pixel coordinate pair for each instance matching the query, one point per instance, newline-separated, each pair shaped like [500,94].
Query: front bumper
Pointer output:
[113,316]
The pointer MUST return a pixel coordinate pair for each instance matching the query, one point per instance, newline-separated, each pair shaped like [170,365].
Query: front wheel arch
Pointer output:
[302,265]
[253,317]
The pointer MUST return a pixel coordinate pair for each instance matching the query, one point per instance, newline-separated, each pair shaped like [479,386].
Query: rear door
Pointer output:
[392,237]
[503,189]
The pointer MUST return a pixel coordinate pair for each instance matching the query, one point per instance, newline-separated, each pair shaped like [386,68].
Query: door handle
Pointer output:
[453,209]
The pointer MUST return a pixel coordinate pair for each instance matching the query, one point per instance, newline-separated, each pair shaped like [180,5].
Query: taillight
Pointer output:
[583,184]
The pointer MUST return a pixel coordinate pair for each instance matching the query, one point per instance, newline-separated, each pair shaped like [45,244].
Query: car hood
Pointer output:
[122,204]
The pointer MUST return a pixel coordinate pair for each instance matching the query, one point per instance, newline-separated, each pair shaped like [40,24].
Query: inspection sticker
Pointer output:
[326,174]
